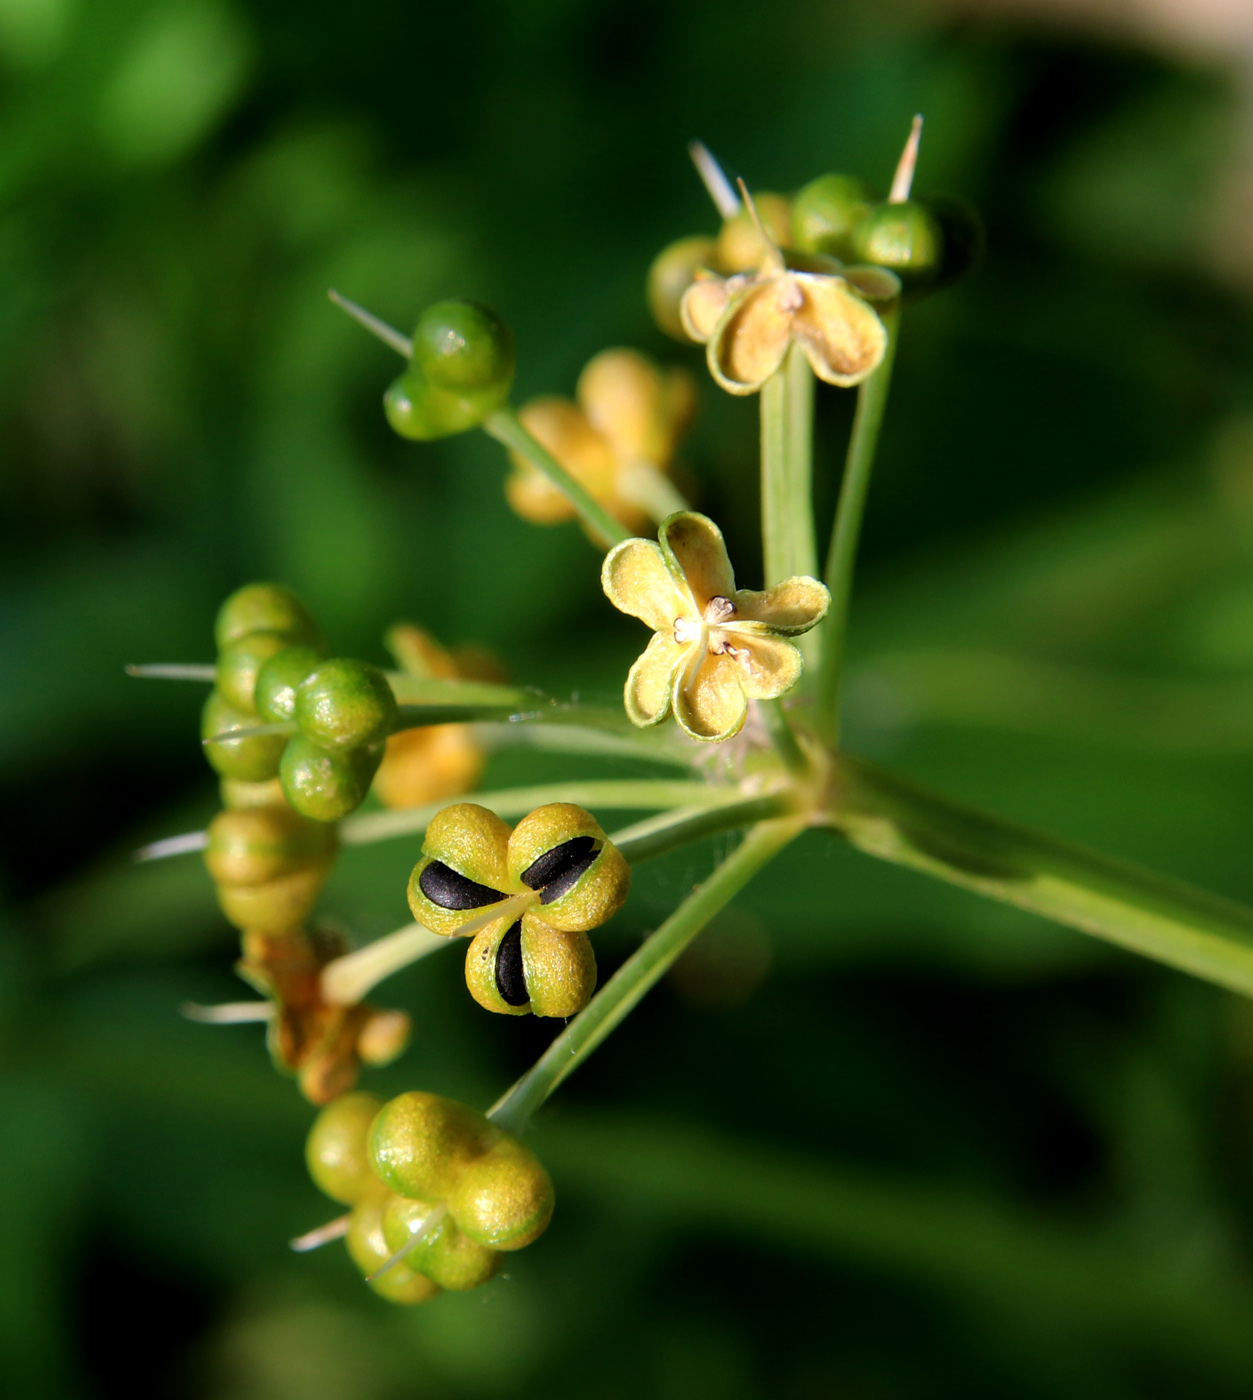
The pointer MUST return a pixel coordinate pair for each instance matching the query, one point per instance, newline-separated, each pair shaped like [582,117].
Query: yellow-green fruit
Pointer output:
[264,607]
[254,845]
[504,1199]
[463,867]
[827,213]
[274,694]
[560,850]
[527,965]
[277,905]
[420,1144]
[326,786]
[446,1256]
[673,271]
[740,246]
[368,1250]
[907,239]
[238,664]
[336,1150]
[252,760]
[236,793]
[345,704]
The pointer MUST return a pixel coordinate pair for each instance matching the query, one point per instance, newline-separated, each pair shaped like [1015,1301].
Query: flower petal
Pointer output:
[842,334]
[772,667]
[790,607]
[651,680]
[709,700]
[702,307]
[694,548]
[636,580]
[752,338]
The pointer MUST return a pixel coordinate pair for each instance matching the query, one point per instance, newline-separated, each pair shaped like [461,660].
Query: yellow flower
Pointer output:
[748,322]
[715,646]
[628,419]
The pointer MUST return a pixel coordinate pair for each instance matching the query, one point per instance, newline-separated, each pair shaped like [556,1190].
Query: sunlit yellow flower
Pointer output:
[625,426]
[715,646]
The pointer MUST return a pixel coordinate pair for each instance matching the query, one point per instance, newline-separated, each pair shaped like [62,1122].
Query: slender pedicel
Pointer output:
[182,845]
[229,1013]
[429,1224]
[903,180]
[333,1230]
[713,177]
[389,335]
[173,671]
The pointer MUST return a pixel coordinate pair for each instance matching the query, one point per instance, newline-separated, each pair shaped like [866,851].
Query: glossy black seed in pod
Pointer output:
[510,975]
[450,889]
[556,871]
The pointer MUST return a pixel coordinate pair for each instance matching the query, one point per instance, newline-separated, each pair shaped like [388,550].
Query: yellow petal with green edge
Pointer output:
[636,580]
[710,704]
[703,306]
[790,607]
[752,338]
[651,680]
[842,334]
[694,548]
[772,667]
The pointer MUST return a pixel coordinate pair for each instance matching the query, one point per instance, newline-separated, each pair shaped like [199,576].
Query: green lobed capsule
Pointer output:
[672,272]
[464,347]
[447,1256]
[276,682]
[264,607]
[423,412]
[239,794]
[257,844]
[336,1150]
[907,239]
[238,664]
[504,1199]
[324,785]
[827,213]
[345,705]
[276,906]
[252,760]
[526,966]
[368,1250]
[421,1143]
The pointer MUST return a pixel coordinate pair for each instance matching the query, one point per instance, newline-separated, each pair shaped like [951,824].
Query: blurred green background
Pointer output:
[874,1139]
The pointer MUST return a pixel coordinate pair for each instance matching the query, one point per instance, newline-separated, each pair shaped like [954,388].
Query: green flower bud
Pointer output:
[345,705]
[368,1250]
[264,607]
[462,346]
[526,966]
[323,785]
[336,1150]
[420,1144]
[252,760]
[259,844]
[423,411]
[446,1256]
[504,1199]
[907,239]
[276,682]
[673,271]
[238,664]
[827,213]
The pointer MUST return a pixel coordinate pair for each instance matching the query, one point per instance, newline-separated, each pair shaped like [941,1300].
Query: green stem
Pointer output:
[787,529]
[506,427]
[783,736]
[799,388]
[889,817]
[670,831]
[624,990]
[641,745]
[872,398]
[430,690]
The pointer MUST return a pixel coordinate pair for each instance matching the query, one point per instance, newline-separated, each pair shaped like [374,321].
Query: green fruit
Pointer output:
[463,347]
[503,1199]
[445,1256]
[368,1250]
[421,1144]
[275,690]
[672,272]
[345,705]
[254,845]
[253,760]
[827,213]
[905,238]
[264,607]
[336,1151]
[323,785]
[422,411]
[238,664]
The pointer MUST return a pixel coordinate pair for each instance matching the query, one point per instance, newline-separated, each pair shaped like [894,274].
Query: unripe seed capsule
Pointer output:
[279,904]
[446,1256]
[238,664]
[259,844]
[326,786]
[504,1199]
[253,760]
[420,1144]
[276,682]
[462,346]
[336,1150]
[265,607]
[672,272]
[827,213]
[740,247]
[237,794]
[530,967]
[345,704]
[368,1250]
[907,239]
[423,411]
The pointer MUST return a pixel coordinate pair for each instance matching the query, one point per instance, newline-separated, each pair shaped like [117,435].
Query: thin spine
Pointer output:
[389,335]
[713,177]
[429,1223]
[314,1239]
[228,1013]
[903,177]
[183,845]
[174,671]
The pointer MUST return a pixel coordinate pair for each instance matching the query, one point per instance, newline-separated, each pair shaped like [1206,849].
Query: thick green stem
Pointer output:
[872,400]
[624,990]
[889,817]
[670,831]
[787,527]
[506,427]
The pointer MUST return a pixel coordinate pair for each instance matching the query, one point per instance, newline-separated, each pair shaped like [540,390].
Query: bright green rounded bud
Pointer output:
[257,844]
[336,1149]
[827,213]
[368,1250]
[252,760]
[905,238]
[238,664]
[324,785]
[264,607]
[423,412]
[421,1144]
[275,690]
[672,272]
[464,347]
[504,1199]
[344,705]
[446,1256]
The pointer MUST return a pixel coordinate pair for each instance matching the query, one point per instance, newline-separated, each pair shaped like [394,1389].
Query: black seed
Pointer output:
[552,865]
[510,978]
[450,889]
[566,880]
